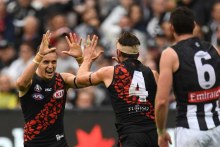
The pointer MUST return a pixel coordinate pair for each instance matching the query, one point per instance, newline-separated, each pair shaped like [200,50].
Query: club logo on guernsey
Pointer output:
[48,89]
[37,88]
[38,96]
[58,94]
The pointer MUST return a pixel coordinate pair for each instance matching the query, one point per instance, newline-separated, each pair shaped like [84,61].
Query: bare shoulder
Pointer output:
[66,75]
[155,72]
[68,78]
[169,52]
[169,58]
[106,70]
[105,74]
[218,50]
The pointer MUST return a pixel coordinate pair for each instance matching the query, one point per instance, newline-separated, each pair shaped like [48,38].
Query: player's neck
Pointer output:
[183,37]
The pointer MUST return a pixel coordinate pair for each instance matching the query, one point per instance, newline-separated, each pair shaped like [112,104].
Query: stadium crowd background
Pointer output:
[22,23]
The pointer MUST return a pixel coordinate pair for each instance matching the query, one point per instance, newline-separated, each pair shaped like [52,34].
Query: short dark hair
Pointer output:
[182,20]
[128,39]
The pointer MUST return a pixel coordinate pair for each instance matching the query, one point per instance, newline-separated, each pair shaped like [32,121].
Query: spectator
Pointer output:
[65,63]
[26,54]
[157,11]
[7,55]
[6,24]
[20,9]
[85,98]
[30,32]
[90,23]
[135,13]
[113,20]
[8,95]
[214,23]
[58,26]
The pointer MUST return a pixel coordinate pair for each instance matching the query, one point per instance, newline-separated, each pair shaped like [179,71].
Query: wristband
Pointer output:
[74,81]
[37,59]
[35,62]
[90,81]
[40,55]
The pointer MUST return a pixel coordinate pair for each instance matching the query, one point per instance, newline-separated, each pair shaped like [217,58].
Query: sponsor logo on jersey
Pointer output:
[138,108]
[59,136]
[37,88]
[48,89]
[58,94]
[197,44]
[38,96]
[204,95]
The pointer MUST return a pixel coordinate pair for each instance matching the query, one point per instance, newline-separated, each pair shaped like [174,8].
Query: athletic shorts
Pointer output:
[55,144]
[139,140]
[195,138]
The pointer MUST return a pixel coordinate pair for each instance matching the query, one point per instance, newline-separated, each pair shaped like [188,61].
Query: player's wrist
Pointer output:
[40,54]
[161,132]
[38,58]
[87,59]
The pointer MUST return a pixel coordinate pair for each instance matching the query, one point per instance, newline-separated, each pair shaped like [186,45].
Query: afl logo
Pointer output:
[58,94]
[37,88]
[38,96]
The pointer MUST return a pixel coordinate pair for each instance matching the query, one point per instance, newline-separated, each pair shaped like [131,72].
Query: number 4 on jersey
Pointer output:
[137,87]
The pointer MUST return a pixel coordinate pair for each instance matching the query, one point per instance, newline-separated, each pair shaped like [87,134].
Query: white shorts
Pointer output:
[195,138]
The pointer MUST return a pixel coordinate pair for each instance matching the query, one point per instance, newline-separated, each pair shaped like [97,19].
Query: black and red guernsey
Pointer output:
[43,108]
[133,91]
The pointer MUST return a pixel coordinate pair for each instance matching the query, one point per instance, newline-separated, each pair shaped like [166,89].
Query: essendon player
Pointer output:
[42,93]
[132,87]
[192,66]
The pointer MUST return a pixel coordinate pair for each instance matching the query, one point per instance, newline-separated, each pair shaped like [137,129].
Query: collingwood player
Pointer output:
[192,68]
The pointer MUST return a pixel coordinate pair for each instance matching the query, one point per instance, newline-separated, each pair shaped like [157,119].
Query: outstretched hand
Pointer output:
[74,46]
[44,46]
[90,51]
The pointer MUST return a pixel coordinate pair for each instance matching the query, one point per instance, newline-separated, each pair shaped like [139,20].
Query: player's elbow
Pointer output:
[161,103]
[20,84]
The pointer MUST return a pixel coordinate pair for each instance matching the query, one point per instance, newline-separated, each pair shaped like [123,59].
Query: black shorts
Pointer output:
[139,140]
[55,144]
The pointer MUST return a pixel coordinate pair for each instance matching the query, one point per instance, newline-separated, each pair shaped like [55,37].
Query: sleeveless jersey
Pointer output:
[133,91]
[43,109]
[197,84]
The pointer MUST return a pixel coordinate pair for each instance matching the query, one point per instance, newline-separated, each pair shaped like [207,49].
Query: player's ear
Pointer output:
[118,53]
[172,28]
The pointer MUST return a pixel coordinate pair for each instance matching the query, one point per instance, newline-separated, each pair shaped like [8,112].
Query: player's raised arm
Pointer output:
[84,75]
[24,80]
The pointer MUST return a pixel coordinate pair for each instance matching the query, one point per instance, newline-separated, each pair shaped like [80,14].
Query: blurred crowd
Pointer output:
[22,23]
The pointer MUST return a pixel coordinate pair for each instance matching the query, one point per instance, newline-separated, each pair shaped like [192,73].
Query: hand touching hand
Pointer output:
[44,46]
[74,46]
[90,52]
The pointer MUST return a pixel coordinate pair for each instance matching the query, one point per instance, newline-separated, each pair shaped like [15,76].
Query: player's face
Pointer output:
[47,67]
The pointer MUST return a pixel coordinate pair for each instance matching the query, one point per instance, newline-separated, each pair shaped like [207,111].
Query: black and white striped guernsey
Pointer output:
[196,85]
